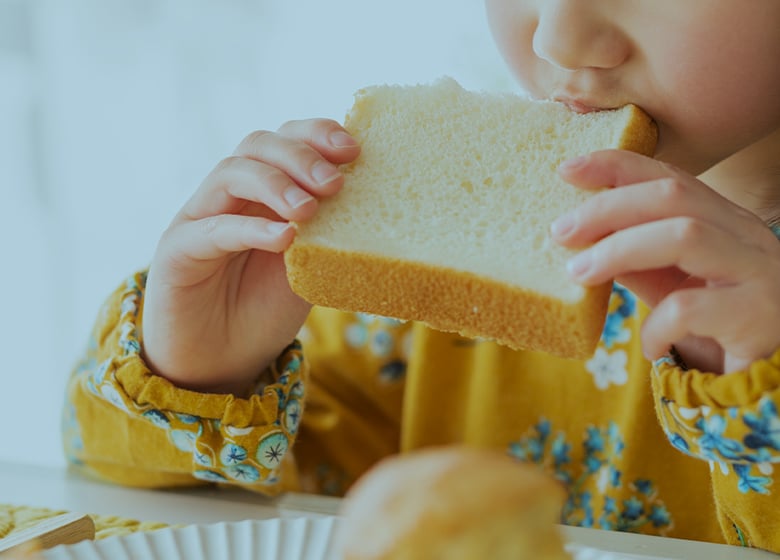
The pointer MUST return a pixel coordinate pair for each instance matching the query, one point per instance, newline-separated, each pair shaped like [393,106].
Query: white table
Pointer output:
[61,489]
[56,488]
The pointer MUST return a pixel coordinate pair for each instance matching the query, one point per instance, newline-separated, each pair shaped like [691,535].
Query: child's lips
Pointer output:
[580,106]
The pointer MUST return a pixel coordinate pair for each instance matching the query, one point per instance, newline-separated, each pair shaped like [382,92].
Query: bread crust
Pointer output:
[476,306]
[641,133]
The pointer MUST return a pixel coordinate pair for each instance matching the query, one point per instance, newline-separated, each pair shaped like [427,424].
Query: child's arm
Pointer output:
[126,425]
[214,315]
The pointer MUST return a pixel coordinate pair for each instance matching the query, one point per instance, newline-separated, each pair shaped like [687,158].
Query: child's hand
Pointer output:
[218,307]
[707,267]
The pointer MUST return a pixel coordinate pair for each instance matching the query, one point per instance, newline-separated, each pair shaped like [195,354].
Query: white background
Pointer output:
[112,112]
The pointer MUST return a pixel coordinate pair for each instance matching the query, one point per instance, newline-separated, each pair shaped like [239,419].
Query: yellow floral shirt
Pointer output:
[648,448]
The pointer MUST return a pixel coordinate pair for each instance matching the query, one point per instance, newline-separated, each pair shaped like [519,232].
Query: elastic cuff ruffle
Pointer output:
[722,418]
[693,388]
[231,439]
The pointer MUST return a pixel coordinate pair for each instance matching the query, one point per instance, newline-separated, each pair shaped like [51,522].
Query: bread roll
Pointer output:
[452,503]
[444,217]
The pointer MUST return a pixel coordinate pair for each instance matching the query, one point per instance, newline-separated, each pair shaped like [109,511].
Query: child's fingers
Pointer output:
[302,163]
[324,135]
[694,246]
[650,190]
[215,237]
[614,168]
[617,209]
[721,314]
[236,181]
[651,286]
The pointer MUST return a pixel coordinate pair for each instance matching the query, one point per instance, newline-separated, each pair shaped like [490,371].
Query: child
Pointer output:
[195,373]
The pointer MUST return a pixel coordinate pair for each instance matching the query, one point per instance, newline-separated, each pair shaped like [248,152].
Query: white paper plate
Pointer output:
[272,539]
[303,538]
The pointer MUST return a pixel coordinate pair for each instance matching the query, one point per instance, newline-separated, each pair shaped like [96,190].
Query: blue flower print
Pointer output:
[593,440]
[112,395]
[543,428]
[356,335]
[713,441]
[532,448]
[765,427]
[294,365]
[597,494]
[614,477]
[382,343]
[271,450]
[614,436]
[211,476]
[610,505]
[202,459]
[560,451]
[748,482]
[99,375]
[757,450]
[157,418]
[393,371]
[281,398]
[679,442]
[292,415]
[243,473]
[627,306]
[633,509]
[128,340]
[183,440]
[592,464]
[187,418]
[585,500]
[614,329]
[297,390]
[232,454]
[644,486]
[659,516]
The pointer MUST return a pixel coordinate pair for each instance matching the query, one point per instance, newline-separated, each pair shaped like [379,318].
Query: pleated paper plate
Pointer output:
[303,538]
[272,539]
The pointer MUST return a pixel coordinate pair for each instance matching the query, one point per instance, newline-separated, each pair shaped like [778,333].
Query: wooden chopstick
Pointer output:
[68,528]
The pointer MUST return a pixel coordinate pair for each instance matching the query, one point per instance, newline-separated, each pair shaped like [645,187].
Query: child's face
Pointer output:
[706,70]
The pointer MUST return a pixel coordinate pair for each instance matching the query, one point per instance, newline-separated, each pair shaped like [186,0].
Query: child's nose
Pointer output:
[572,34]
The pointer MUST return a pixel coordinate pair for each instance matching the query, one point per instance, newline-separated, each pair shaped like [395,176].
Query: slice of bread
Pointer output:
[444,217]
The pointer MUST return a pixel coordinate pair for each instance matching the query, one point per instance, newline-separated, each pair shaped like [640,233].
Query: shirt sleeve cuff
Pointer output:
[231,439]
[729,418]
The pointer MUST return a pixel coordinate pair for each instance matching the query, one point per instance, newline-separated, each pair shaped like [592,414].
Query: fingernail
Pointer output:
[296,197]
[340,139]
[562,226]
[573,163]
[579,265]
[277,228]
[323,172]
